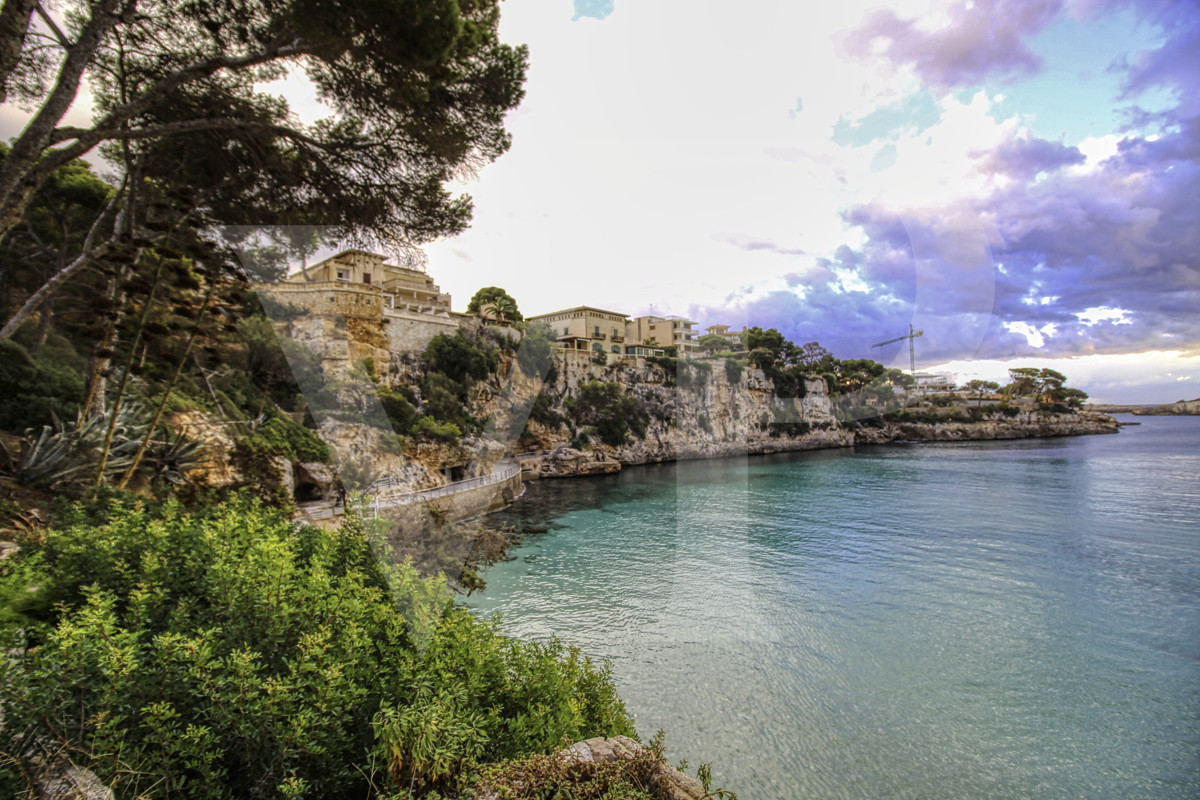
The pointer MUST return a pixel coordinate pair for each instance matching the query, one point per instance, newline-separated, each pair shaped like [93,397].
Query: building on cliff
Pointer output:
[587,328]
[404,305]
[676,332]
[736,339]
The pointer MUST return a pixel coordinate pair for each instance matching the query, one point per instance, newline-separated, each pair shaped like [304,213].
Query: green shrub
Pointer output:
[288,438]
[459,357]
[399,407]
[232,654]
[32,393]
[613,413]
[733,370]
[544,413]
[430,429]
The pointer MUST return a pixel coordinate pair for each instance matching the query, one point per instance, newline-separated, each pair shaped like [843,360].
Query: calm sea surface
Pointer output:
[967,620]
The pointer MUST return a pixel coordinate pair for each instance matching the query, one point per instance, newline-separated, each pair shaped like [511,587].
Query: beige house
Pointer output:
[736,338]
[402,287]
[667,331]
[586,328]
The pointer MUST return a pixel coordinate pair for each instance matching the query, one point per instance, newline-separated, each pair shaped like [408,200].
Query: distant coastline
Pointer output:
[1180,408]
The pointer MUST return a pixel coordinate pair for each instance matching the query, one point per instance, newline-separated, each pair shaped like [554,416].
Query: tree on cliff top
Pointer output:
[420,89]
[501,302]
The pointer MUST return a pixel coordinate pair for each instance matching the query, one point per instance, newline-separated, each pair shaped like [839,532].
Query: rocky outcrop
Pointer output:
[62,780]
[697,411]
[1027,425]
[669,783]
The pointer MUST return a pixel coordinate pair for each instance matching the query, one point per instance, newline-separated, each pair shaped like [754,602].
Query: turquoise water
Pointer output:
[966,620]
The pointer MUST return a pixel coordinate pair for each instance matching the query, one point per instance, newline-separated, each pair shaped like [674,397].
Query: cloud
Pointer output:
[751,245]
[979,39]
[1026,156]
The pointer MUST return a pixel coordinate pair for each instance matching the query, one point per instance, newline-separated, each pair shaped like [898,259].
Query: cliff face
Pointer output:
[1026,425]
[665,410]
[695,413]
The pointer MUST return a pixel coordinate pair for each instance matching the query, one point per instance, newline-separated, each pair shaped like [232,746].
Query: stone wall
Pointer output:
[456,507]
[409,332]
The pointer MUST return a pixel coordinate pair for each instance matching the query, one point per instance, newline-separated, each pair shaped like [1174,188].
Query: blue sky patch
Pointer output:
[913,115]
[1075,94]
[596,9]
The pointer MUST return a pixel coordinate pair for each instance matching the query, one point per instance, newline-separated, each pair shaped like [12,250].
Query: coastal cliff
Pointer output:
[692,410]
[1026,425]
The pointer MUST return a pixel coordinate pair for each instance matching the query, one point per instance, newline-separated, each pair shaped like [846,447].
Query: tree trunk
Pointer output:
[14,23]
[162,405]
[133,347]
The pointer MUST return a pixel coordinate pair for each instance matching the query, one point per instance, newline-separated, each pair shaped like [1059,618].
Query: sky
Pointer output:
[1014,178]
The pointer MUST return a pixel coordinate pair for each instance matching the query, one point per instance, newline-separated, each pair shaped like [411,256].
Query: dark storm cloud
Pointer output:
[982,39]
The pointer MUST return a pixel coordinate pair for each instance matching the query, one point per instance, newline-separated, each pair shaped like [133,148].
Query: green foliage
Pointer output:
[536,352]
[459,357]
[503,305]
[430,429]
[283,436]
[733,370]
[544,413]
[712,343]
[32,393]
[771,340]
[550,777]
[444,399]
[229,653]
[613,413]
[400,409]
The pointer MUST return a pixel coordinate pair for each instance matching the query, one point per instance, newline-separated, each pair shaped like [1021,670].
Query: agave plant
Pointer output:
[171,460]
[62,456]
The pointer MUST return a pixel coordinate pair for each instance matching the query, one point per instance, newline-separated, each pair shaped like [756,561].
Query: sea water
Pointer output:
[1012,619]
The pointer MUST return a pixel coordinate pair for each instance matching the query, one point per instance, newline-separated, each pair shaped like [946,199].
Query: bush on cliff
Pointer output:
[613,413]
[229,653]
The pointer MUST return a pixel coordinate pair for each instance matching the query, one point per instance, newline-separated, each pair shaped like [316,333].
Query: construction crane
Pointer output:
[912,350]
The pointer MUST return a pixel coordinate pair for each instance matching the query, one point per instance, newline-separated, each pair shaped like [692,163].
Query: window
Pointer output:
[566,329]
[599,348]
[597,330]
[343,274]
[616,349]
[367,278]
[615,334]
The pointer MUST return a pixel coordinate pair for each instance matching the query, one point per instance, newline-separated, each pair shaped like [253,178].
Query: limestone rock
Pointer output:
[62,780]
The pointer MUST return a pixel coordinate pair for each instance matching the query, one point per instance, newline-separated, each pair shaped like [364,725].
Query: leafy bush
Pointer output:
[231,654]
[430,429]
[286,437]
[33,393]
[399,407]
[733,370]
[459,357]
[613,413]
[536,352]
[544,413]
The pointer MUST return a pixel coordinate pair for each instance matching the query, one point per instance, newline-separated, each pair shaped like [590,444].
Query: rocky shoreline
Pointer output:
[566,461]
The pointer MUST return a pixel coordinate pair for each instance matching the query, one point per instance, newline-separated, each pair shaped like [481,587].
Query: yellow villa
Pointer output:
[674,332]
[587,328]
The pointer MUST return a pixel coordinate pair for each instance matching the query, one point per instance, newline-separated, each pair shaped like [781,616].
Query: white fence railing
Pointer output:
[325,510]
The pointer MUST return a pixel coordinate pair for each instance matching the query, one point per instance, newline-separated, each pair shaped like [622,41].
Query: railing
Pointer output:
[325,510]
[496,476]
